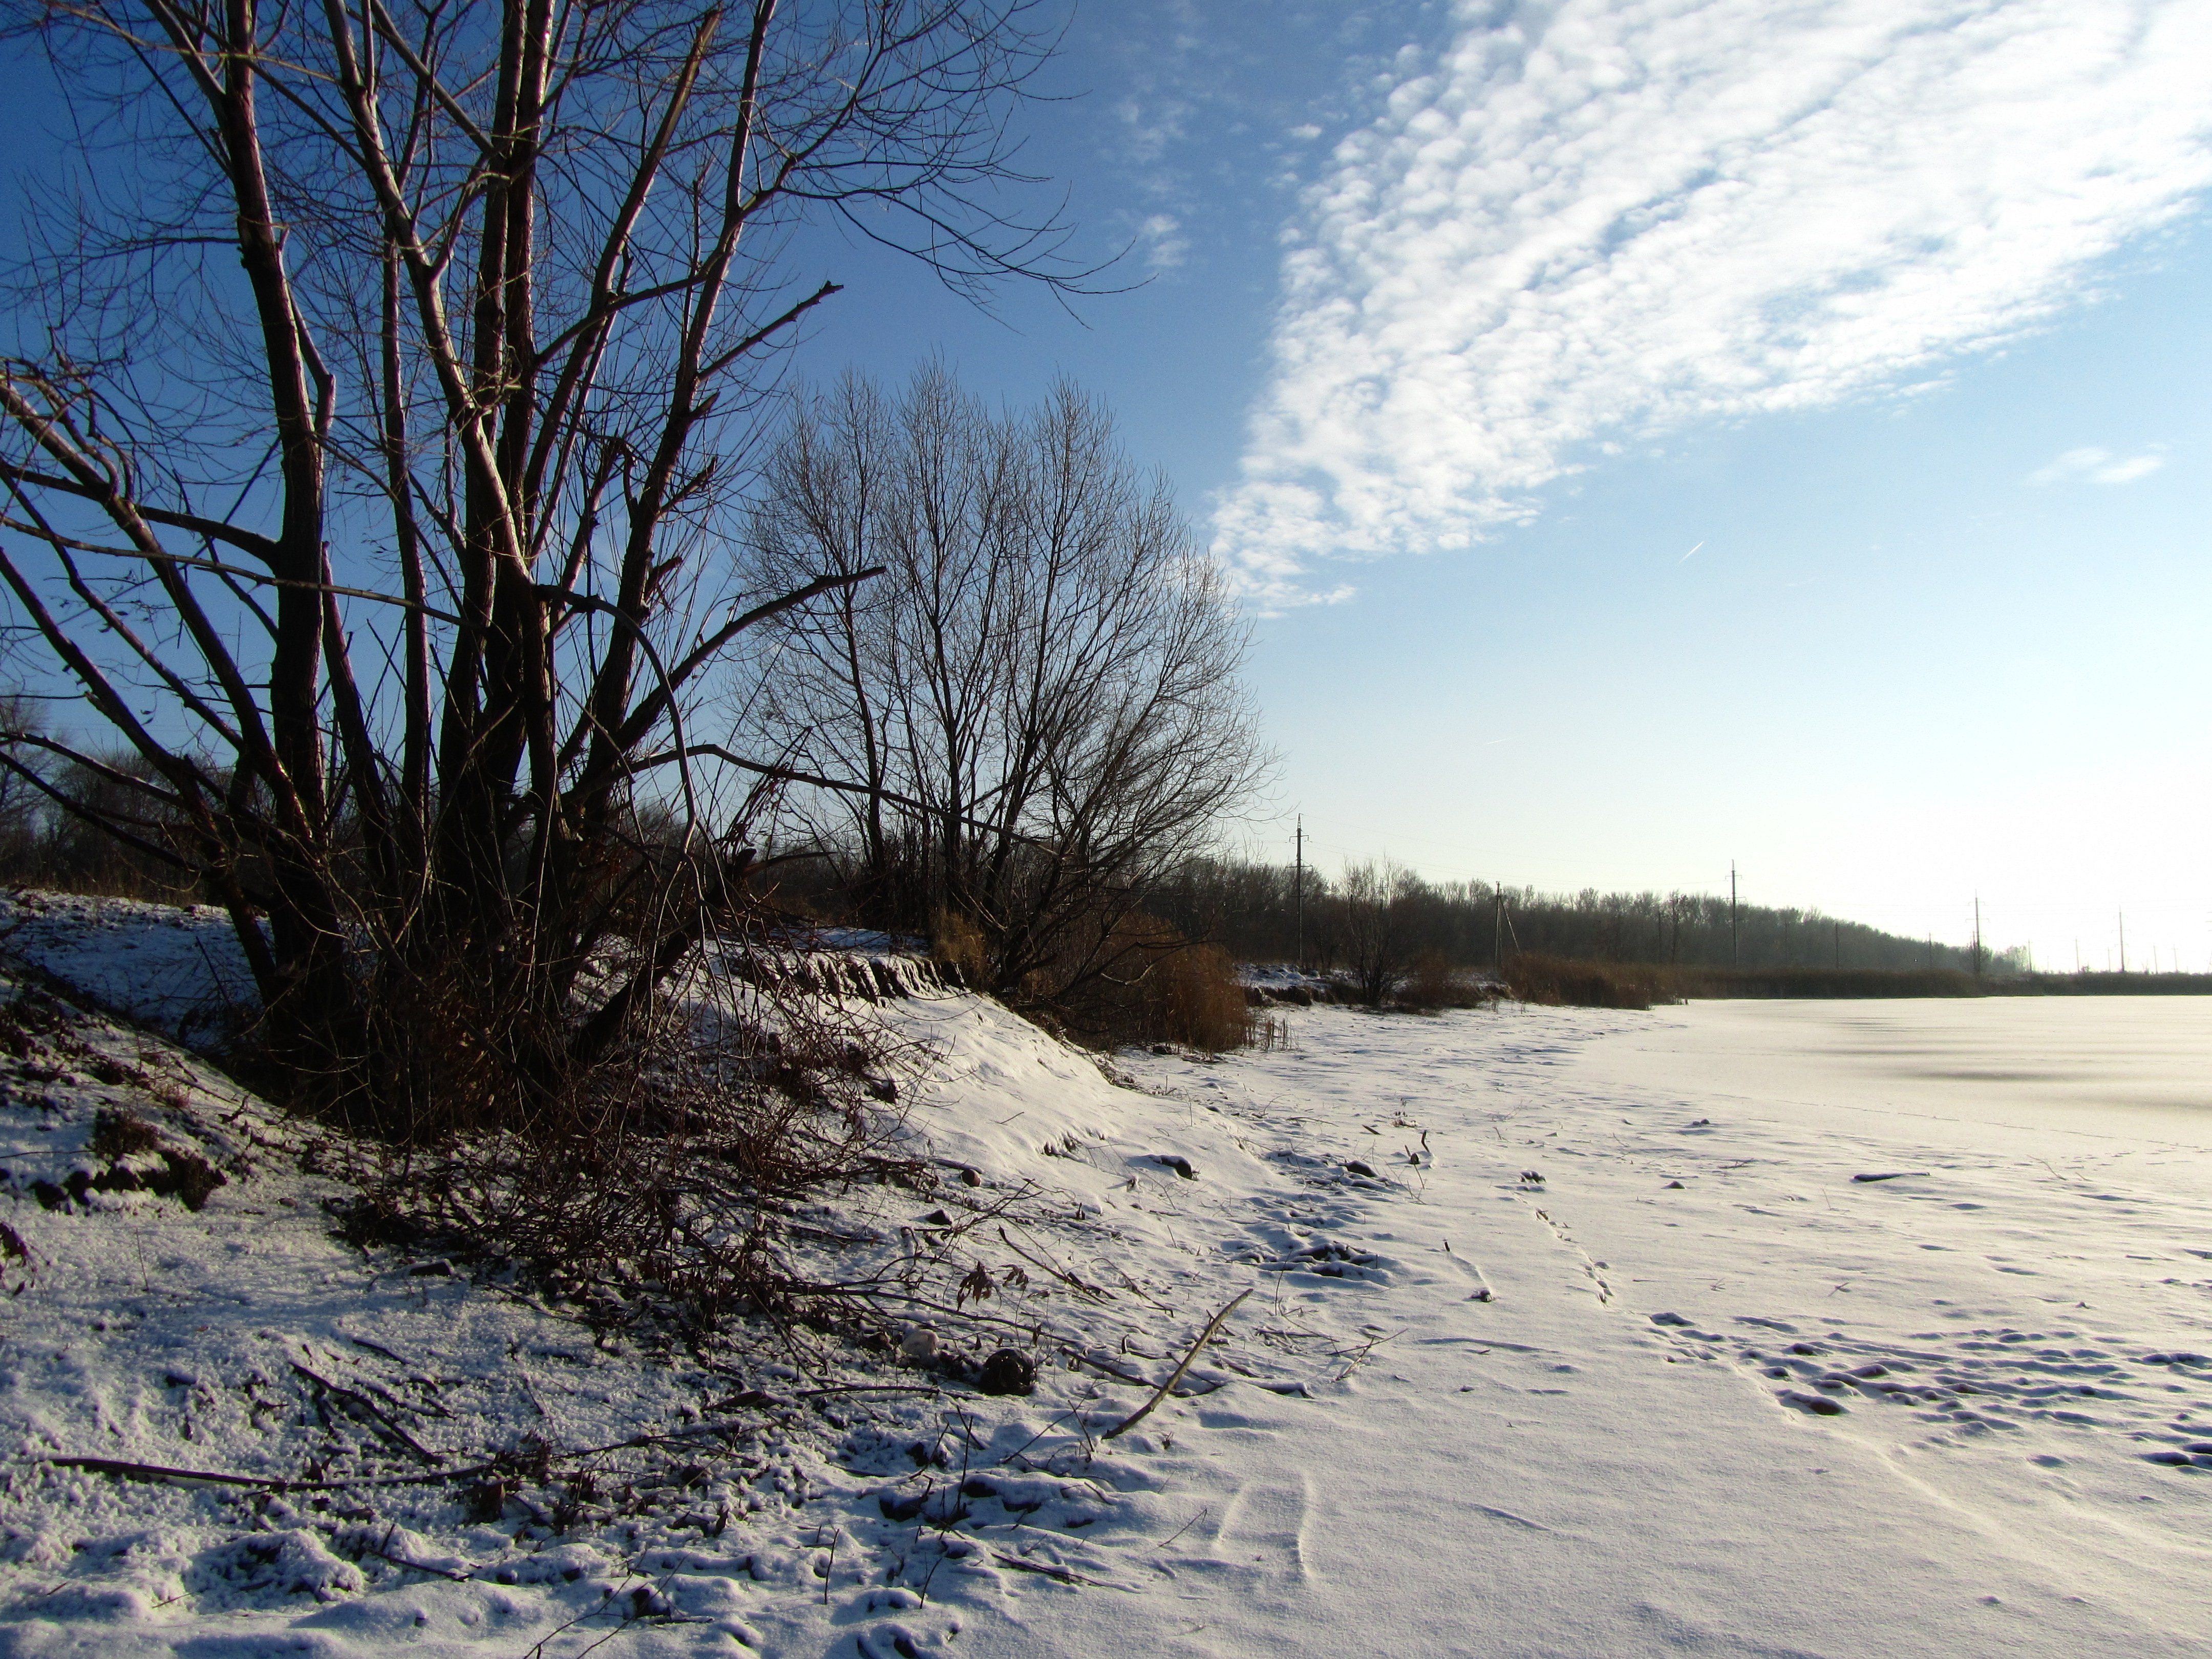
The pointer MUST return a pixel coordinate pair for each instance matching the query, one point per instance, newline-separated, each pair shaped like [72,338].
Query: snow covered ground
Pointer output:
[1570,1333]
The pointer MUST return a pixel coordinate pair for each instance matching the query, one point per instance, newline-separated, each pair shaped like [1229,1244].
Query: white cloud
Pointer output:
[1160,236]
[2096,467]
[1610,215]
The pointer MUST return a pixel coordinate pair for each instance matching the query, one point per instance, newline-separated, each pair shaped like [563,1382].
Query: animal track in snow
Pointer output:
[1590,1267]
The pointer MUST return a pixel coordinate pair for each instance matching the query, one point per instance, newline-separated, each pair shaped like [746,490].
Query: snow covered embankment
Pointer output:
[229,1425]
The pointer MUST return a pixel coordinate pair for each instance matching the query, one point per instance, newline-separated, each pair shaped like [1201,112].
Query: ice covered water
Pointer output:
[2087,1066]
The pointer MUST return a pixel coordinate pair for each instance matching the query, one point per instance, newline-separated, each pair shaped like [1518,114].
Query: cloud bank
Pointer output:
[1602,216]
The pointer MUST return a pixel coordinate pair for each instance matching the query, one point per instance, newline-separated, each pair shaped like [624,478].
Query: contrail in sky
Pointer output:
[1684,559]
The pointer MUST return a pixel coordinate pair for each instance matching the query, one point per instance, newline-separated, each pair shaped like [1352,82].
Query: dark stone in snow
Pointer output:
[1813,1403]
[1007,1371]
[1180,1164]
[1360,1168]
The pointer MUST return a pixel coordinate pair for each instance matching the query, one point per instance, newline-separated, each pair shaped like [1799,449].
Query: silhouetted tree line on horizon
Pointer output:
[1251,910]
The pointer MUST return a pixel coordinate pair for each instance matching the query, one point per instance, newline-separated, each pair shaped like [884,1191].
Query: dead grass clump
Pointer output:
[1162,989]
[1563,982]
[118,1134]
[955,942]
[1202,1003]
[1432,982]
[1428,982]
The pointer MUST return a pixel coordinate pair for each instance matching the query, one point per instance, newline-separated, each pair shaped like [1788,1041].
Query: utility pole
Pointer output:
[2123,941]
[1497,926]
[1298,893]
[1734,936]
[1977,936]
[1840,945]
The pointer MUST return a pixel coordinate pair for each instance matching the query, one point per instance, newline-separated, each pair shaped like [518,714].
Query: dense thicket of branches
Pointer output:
[1037,704]
[1249,909]
[366,439]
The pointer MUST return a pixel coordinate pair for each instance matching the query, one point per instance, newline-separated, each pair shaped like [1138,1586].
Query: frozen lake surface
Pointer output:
[1944,1069]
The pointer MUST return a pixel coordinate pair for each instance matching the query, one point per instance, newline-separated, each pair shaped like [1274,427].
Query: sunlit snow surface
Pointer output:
[1769,1410]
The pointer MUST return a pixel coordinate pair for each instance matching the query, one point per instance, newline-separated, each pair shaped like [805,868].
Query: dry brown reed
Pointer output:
[955,942]
[1555,982]
[1163,989]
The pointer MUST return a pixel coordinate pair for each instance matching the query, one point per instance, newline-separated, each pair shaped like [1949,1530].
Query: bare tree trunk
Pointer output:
[501,277]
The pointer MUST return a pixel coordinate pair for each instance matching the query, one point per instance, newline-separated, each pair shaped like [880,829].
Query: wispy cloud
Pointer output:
[1600,218]
[2096,467]
[1161,241]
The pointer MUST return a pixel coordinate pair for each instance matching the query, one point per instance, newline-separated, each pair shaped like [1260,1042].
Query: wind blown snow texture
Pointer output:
[1597,220]
[1569,1363]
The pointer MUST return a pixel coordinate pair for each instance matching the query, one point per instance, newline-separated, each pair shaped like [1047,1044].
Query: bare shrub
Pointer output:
[655,1185]
[1556,981]
[1371,918]
[1430,983]
[1161,987]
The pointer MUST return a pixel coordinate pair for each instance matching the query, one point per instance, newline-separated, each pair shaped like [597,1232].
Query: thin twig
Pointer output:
[1175,1376]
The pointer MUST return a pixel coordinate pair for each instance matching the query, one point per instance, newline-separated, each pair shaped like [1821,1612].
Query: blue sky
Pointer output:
[1466,324]
[1656,435]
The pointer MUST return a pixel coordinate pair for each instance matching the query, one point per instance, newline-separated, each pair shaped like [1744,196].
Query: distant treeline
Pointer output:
[1252,910]
[1585,984]
[2105,985]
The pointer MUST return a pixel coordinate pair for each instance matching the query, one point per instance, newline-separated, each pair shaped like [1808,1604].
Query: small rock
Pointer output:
[1007,1371]
[1180,1164]
[1358,1169]
[1678,1186]
[1533,1177]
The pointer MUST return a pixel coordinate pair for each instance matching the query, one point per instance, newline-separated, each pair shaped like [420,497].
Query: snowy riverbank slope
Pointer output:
[1772,1409]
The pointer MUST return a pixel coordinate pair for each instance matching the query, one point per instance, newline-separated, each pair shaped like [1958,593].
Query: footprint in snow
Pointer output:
[1959,1385]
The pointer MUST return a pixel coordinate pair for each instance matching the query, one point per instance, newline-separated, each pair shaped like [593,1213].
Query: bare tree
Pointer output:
[1373,920]
[1041,696]
[367,432]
